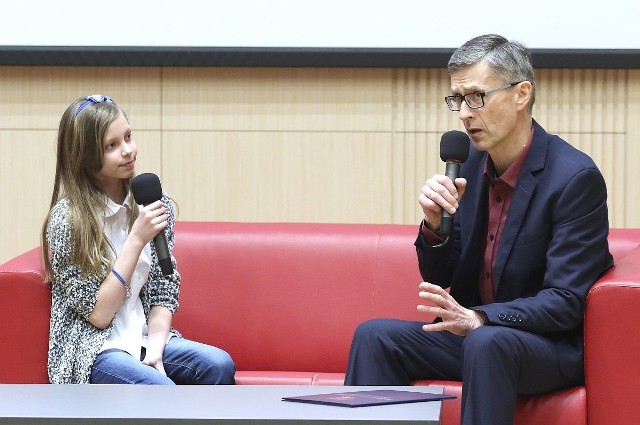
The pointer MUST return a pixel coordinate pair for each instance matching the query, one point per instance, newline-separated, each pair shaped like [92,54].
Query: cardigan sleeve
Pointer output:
[81,292]
[164,290]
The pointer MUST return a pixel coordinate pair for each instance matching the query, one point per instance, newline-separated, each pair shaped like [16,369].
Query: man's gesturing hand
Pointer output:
[455,318]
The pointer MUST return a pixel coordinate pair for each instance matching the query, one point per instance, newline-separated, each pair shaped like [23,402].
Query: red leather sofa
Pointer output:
[284,300]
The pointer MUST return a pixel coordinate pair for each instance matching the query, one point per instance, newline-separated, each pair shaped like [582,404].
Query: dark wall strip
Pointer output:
[293,57]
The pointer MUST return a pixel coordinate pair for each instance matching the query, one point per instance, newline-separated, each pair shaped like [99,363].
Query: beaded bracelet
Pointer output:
[121,279]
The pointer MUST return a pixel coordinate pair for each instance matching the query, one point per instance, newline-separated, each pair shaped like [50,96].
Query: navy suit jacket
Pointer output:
[552,250]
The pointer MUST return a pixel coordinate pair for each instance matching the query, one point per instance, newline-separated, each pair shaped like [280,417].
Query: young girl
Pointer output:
[111,306]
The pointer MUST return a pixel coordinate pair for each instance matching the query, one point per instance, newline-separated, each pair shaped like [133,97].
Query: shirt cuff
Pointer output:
[430,237]
[484,317]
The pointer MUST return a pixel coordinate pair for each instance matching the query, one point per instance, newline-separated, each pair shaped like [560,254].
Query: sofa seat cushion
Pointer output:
[557,408]
[258,377]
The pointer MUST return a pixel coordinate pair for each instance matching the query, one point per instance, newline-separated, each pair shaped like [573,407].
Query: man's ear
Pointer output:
[524,91]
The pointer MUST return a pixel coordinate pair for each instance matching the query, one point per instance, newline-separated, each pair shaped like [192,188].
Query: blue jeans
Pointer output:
[185,362]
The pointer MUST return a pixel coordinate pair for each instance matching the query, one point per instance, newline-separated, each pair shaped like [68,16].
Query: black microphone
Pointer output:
[146,189]
[454,150]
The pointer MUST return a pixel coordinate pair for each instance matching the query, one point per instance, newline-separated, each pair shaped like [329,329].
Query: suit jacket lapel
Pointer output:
[525,187]
[472,217]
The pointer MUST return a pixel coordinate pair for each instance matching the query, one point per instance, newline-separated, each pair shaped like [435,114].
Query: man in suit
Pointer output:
[529,240]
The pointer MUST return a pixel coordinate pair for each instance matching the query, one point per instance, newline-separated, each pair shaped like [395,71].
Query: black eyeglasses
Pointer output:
[474,100]
[96,98]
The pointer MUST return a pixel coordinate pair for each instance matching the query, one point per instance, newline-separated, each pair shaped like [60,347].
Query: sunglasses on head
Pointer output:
[96,98]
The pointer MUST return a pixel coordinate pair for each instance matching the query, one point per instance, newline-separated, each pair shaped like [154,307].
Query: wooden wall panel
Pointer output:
[588,108]
[277,99]
[279,176]
[581,101]
[631,195]
[36,97]
[149,142]
[26,170]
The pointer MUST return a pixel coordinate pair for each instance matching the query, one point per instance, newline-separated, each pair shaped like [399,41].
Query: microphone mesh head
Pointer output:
[146,188]
[454,146]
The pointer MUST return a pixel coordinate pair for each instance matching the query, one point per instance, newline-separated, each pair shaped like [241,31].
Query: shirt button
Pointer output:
[498,199]
[491,238]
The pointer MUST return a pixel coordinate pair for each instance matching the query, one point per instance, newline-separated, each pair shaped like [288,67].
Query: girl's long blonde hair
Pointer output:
[79,156]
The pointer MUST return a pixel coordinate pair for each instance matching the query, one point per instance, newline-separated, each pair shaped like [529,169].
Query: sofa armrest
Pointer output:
[612,344]
[25,308]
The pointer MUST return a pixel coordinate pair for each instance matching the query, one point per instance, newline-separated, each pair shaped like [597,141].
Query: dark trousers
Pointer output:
[494,363]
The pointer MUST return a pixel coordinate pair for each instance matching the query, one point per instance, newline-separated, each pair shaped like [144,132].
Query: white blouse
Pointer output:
[130,327]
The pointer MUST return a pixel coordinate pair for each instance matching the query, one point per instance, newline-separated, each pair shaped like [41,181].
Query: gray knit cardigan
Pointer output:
[73,341]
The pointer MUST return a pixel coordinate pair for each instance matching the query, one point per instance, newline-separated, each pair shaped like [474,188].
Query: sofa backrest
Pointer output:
[289,296]
[276,296]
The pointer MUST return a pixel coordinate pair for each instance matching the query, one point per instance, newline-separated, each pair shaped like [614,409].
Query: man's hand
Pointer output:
[455,318]
[440,193]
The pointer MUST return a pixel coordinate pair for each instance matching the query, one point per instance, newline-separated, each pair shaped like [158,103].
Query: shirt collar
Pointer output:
[112,208]
[510,176]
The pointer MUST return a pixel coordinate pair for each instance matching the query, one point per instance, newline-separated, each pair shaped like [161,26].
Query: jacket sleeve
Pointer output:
[437,262]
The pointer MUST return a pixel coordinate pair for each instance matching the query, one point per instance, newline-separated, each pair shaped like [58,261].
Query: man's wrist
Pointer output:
[480,319]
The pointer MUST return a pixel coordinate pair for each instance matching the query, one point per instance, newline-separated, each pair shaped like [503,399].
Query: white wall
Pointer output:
[319,23]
